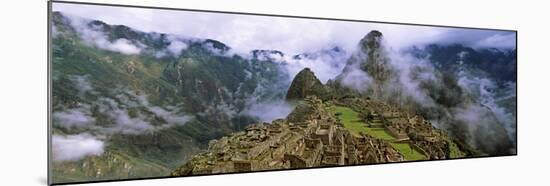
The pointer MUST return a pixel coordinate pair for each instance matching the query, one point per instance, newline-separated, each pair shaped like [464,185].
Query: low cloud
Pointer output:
[142,120]
[289,35]
[356,78]
[122,122]
[487,91]
[497,40]
[74,118]
[82,83]
[465,104]
[170,116]
[176,47]
[54,31]
[126,112]
[325,63]
[269,111]
[76,147]
[120,45]
[93,35]
[177,44]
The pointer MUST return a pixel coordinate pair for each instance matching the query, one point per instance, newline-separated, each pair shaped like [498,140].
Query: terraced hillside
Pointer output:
[375,128]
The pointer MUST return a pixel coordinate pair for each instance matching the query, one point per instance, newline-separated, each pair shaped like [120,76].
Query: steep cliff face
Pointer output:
[368,69]
[376,62]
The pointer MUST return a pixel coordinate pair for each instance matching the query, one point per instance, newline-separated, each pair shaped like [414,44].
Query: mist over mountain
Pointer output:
[128,103]
[154,97]
[447,84]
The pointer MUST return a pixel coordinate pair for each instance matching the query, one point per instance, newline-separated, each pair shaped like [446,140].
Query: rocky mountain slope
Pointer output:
[305,84]
[446,94]
[152,109]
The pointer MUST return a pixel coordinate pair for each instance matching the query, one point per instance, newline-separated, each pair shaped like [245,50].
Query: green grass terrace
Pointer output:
[353,122]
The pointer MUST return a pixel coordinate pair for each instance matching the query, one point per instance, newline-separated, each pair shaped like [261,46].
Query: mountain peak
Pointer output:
[306,84]
[374,33]
[216,44]
[371,40]
[267,54]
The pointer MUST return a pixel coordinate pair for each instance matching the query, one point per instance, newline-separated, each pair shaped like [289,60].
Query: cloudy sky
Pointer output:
[290,35]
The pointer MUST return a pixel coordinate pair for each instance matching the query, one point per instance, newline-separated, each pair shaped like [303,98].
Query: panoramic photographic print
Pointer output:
[149,93]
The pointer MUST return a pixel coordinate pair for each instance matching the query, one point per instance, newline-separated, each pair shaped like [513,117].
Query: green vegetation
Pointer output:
[111,165]
[192,83]
[407,151]
[454,150]
[352,121]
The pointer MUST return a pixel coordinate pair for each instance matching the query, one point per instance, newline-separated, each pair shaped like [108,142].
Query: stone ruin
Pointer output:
[315,141]
[405,127]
